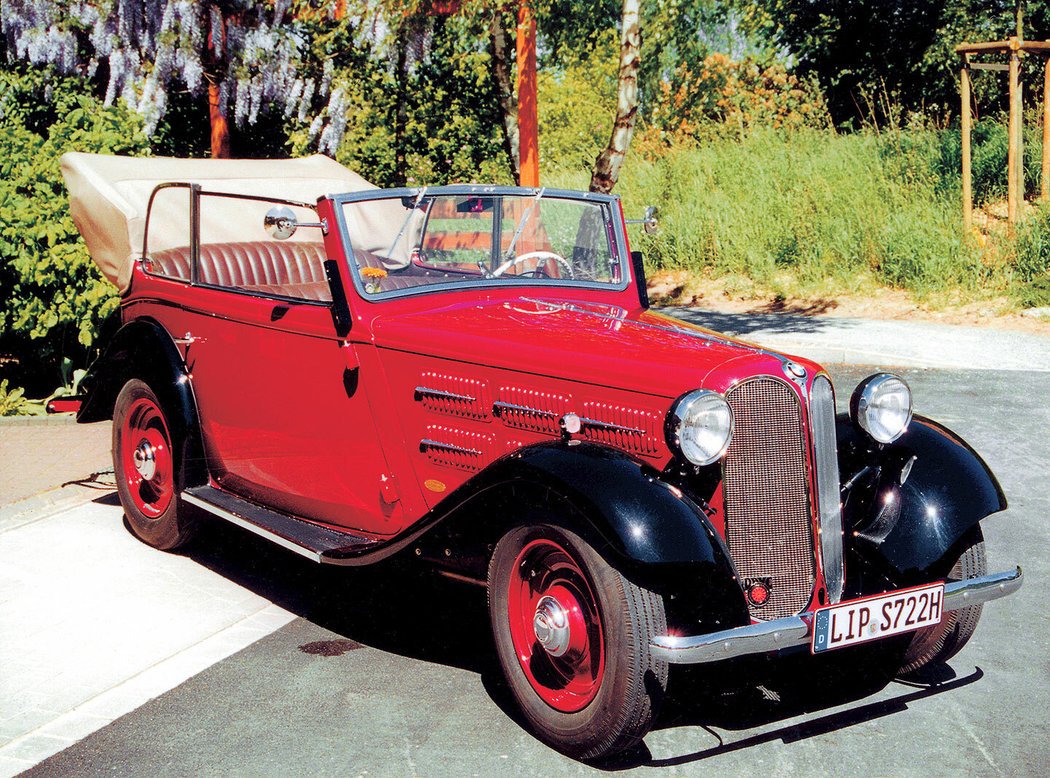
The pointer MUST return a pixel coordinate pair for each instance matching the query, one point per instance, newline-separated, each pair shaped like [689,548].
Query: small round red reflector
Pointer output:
[758,594]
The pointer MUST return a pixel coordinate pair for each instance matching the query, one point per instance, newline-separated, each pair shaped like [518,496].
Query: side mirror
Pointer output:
[649,223]
[280,223]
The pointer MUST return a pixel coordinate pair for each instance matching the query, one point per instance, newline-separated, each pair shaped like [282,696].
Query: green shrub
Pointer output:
[54,298]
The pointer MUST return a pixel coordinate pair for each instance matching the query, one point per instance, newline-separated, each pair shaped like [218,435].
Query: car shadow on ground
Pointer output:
[402,607]
[739,324]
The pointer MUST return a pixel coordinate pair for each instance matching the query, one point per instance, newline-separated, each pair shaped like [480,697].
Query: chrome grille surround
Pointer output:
[769,529]
[829,501]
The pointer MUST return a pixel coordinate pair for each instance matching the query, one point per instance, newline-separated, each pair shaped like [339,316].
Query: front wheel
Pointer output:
[939,643]
[572,635]
[148,470]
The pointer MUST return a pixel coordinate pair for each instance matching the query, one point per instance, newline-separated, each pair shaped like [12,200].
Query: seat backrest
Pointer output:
[289,269]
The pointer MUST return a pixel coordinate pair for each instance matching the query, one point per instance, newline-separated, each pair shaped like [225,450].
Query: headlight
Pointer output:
[881,406]
[700,426]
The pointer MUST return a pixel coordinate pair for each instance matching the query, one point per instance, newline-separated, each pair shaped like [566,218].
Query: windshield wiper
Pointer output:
[509,253]
[404,224]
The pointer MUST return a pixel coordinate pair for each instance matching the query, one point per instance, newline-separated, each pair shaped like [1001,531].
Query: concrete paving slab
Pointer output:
[37,454]
[94,623]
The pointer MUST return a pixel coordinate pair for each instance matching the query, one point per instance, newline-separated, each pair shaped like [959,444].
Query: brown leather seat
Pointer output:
[280,268]
[288,269]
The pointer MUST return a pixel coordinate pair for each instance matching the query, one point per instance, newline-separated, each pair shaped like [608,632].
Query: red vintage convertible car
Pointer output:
[473,374]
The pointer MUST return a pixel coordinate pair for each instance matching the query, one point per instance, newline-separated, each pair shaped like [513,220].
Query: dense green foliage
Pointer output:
[54,298]
[876,57]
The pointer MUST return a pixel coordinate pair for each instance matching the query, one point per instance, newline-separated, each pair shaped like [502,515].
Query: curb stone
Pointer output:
[46,504]
[51,420]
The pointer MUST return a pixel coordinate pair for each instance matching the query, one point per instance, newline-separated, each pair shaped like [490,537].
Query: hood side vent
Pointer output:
[628,429]
[456,448]
[455,396]
[531,410]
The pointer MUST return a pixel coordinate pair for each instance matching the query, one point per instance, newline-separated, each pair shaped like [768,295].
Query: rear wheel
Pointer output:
[572,635]
[147,467]
[939,643]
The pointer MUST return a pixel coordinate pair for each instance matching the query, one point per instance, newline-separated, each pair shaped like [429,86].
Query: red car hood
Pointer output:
[640,351]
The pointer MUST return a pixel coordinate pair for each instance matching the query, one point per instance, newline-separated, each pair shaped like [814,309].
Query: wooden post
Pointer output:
[1045,187]
[967,177]
[1015,182]
[220,128]
[528,121]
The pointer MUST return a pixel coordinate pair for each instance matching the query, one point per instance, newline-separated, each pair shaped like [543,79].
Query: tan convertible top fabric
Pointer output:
[108,196]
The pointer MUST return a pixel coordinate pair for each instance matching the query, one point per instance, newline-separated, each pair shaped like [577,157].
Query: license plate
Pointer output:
[877,617]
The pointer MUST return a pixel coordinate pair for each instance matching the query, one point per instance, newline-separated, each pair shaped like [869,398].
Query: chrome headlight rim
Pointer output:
[865,407]
[679,415]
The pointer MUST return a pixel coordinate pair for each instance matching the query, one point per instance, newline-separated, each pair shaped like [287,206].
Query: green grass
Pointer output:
[818,211]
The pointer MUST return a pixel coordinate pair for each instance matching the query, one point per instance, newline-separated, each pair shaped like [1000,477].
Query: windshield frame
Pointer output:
[609,203]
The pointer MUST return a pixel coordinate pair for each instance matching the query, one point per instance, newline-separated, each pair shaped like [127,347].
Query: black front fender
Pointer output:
[908,503]
[648,529]
[639,516]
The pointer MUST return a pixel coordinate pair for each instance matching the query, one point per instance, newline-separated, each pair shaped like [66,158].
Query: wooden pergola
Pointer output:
[1015,47]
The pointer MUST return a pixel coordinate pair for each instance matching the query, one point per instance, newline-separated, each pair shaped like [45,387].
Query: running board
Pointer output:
[323,545]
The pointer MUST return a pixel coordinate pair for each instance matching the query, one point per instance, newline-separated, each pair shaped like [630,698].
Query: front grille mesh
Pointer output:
[768,524]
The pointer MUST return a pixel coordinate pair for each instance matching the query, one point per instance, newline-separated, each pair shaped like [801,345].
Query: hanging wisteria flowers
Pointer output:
[251,51]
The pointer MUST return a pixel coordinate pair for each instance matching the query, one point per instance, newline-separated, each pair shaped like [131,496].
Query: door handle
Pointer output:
[189,339]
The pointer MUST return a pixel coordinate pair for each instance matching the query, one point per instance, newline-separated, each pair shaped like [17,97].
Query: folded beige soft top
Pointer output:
[108,197]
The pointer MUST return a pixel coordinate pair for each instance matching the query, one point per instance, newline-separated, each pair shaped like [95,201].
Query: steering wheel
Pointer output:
[537,255]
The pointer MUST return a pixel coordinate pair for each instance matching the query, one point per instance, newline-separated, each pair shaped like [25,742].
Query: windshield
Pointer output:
[428,239]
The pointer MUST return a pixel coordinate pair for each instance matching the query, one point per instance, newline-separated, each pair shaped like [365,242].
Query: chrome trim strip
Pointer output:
[446,395]
[233,518]
[792,631]
[426,443]
[499,406]
[605,425]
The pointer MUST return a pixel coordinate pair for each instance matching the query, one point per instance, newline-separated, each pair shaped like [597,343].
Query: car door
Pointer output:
[284,416]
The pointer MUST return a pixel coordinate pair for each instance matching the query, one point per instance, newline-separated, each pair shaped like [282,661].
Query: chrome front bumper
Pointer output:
[798,630]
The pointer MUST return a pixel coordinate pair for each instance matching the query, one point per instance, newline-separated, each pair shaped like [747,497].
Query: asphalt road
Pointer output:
[389,671]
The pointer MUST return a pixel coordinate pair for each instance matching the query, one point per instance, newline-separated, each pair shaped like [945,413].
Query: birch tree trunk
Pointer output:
[505,90]
[607,165]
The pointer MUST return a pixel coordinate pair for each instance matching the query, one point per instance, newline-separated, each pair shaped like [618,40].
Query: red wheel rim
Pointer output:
[145,451]
[569,680]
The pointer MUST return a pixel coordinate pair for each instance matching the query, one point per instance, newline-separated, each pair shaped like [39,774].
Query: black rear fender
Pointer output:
[143,349]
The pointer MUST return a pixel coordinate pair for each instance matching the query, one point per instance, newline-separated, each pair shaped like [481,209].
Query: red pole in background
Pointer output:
[528,124]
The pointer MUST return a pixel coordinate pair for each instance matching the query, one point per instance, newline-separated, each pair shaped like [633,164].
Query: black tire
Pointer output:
[146,461]
[601,696]
[935,645]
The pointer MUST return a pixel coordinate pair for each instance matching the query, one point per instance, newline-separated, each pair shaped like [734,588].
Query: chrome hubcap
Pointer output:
[145,460]
[551,625]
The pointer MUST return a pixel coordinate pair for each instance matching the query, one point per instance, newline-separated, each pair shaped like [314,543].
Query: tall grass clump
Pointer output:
[804,208]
